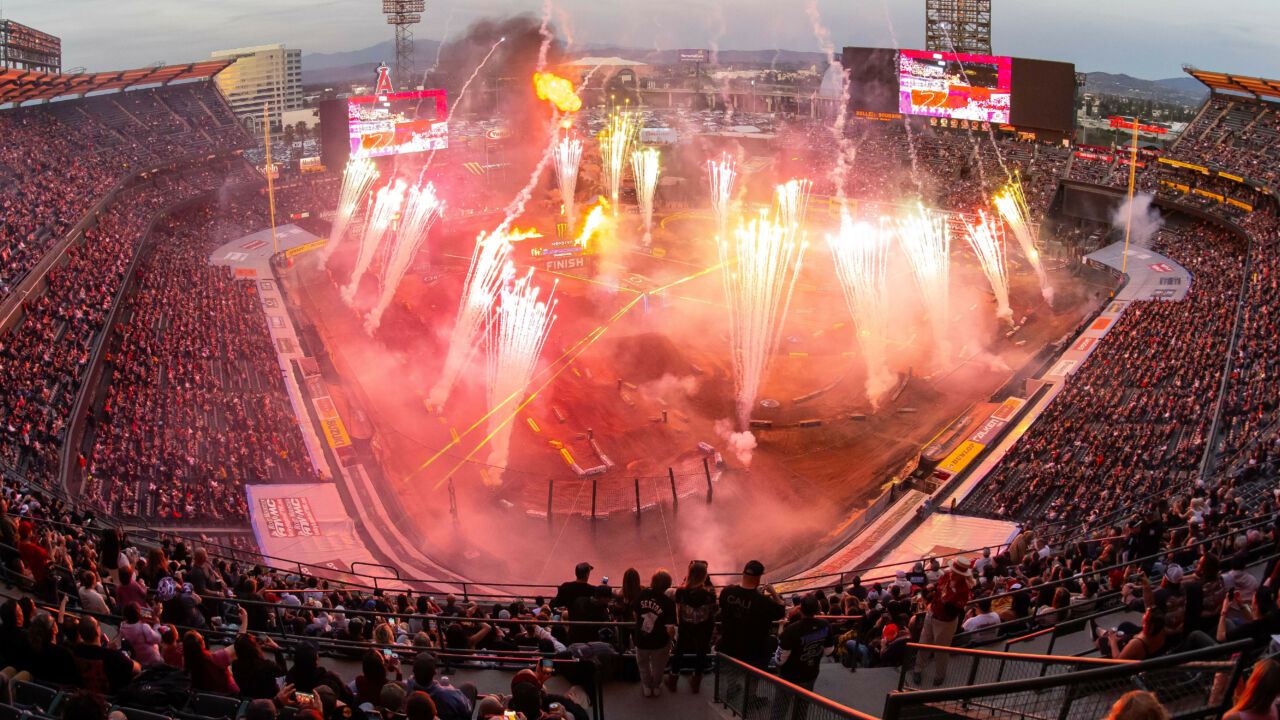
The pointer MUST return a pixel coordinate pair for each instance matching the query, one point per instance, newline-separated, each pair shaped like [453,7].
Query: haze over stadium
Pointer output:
[866,360]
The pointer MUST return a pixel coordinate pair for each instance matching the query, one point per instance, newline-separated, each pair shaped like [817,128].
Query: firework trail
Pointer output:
[385,208]
[721,174]
[547,35]
[644,168]
[422,208]
[462,93]
[357,178]
[988,244]
[760,270]
[841,168]
[791,204]
[489,269]
[1012,206]
[517,330]
[567,155]
[860,251]
[615,144]
[925,238]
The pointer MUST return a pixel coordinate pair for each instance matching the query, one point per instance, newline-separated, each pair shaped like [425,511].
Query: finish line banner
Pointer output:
[309,525]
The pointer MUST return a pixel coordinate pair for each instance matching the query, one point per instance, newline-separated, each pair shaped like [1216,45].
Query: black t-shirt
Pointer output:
[55,665]
[696,606]
[587,608]
[102,670]
[804,638]
[568,592]
[654,613]
[745,617]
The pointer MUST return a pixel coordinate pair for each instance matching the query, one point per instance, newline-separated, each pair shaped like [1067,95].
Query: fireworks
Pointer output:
[790,203]
[925,238]
[518,327]
[567,154]
[594,223]
[385,208]
[558,91]
[644,168]
[356,181]
[860,252]
[721,174]
[988,244]
[1012,206]
[615,144]
[760,269]
[489,268]
[422,208]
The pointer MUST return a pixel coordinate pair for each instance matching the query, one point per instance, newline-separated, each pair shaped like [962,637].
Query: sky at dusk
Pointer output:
[1145,38]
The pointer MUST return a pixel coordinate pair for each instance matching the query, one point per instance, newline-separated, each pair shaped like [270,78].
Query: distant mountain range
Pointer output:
[1186,90]
[358,65]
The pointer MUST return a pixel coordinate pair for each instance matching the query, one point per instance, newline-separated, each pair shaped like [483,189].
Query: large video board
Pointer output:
[397,123]
[955,85]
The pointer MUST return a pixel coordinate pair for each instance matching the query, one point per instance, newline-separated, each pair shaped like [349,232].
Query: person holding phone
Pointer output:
[254,673]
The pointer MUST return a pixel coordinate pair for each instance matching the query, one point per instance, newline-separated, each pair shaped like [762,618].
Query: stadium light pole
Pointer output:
[1133,172]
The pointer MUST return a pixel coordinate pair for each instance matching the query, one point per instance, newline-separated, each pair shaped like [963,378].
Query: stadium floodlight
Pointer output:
[404,14]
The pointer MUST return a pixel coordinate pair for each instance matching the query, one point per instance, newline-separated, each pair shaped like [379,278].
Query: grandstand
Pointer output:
[144,393]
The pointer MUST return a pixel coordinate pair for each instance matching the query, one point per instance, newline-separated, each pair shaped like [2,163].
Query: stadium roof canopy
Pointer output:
[602,62]
[1257,87]
[19,86]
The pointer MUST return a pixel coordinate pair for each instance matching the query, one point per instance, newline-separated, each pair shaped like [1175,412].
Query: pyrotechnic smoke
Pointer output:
[721,174]
[840,170]
[1012,206]
[860,252]
[518,328]
[385,208]
[489,268]
[988,244]
[1146,220]
[926,240]
[567,155]
[422,208]
[644,168]
[615,144]
[760,267]
[790,204]
[357,178]
[740,444]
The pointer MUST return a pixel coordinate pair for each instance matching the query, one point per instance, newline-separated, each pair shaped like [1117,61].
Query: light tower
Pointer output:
[961,26]
[403,14]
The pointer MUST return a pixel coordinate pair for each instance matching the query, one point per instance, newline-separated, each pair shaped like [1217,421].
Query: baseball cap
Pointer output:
[754,568]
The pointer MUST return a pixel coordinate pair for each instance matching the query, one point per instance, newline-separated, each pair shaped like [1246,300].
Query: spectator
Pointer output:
[209,671]
[450,703]
[655,629]
[1137,705]
[420,707]
[696,609]
[102,669]
[254,674]
[945,609]
[747,614]
[804,642]
[980,618]
[50,663]
[580,587]
[1258,701]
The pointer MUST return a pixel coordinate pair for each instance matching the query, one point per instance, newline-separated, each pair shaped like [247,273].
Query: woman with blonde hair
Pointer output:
[1258,701]
[1138,705]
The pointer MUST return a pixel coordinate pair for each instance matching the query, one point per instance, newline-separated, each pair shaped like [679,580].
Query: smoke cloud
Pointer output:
[741,444]
[1146,219]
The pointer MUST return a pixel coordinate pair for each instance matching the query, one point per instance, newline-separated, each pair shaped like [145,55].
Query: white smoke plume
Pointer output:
[1146,219]
[741,444]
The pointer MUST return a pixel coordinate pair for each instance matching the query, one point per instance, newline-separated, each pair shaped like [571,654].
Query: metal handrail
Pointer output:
[808,695]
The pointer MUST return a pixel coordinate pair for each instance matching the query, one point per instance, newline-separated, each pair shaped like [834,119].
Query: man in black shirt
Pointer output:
[102,670]
[747,614]
[803,642]
[568,592]
[593,608]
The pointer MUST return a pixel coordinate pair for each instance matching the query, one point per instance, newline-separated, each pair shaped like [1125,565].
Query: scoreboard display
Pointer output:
[397,123]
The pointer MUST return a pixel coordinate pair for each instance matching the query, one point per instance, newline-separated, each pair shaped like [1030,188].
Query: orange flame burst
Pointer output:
[593,224]
[558,90]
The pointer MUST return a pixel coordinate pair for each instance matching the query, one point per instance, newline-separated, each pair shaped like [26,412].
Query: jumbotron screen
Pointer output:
[397,123]
[955,85]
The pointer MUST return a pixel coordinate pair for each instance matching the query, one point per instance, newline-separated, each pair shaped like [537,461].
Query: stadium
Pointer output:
[533,381]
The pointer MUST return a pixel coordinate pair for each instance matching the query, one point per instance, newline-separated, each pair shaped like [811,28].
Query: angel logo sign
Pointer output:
[384,80]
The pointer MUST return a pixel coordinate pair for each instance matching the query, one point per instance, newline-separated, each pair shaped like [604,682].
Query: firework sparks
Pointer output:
[615,144]
[422,208]
[567,154]
[385,208]
[860,251]
[790,204]
[489,268]
[517,330]
[357,178]
[988,244]
[925,238]
[761,266]
[1012,206]
[721,174]
[644,168]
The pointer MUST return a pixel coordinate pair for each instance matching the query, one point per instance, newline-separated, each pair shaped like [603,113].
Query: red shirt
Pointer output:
[950,597]
[35,558]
